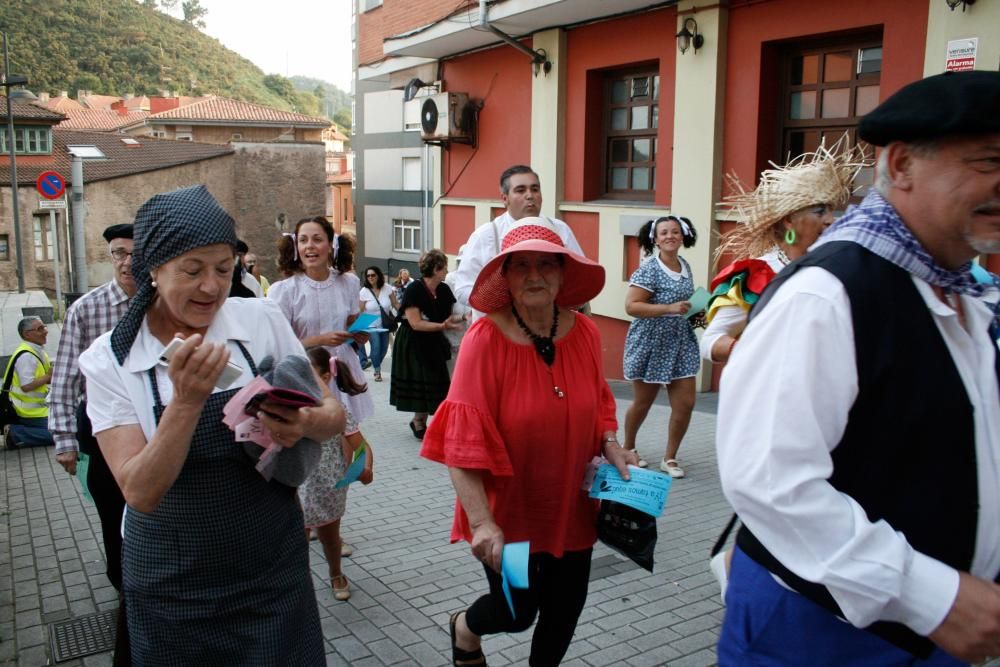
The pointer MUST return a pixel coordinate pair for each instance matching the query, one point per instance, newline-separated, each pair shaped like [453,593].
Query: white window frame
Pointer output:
[44,249]
[408,183]
[405,235]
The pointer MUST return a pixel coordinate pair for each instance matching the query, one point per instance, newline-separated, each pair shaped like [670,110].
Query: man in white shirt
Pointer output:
[521,193]
[859,422]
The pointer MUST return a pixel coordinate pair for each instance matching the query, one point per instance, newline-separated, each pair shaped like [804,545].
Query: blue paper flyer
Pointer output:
[646,491]
[514,569]
[364,323]
[355,469]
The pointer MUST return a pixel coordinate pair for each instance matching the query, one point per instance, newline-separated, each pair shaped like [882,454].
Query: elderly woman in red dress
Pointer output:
[527,410]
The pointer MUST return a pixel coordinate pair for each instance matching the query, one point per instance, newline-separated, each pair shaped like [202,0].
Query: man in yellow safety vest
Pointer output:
[32,373]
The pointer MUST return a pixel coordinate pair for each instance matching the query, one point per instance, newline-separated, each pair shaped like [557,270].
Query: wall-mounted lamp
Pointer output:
[953,4]
[689,36]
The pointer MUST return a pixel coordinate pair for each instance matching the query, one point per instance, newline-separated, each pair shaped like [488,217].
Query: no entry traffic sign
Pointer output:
[51,185]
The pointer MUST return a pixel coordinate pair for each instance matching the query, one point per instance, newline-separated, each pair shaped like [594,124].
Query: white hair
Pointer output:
[883,182]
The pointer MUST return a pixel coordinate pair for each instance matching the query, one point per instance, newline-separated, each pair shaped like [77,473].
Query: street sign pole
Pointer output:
[13,168]
[54,231]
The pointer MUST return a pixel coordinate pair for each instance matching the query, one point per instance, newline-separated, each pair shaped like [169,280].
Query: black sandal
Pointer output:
[418,434]
[459,657]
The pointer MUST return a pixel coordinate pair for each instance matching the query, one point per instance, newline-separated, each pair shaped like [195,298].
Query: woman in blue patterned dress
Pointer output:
[660,348]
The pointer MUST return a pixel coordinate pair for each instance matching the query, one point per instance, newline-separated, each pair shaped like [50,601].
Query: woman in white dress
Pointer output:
[320,300]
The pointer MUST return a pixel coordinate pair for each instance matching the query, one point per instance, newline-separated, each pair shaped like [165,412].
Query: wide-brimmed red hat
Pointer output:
[583,279]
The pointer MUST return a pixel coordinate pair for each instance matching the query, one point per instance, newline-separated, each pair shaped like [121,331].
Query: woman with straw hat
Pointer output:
[777,223]
[527,410]
[214,566]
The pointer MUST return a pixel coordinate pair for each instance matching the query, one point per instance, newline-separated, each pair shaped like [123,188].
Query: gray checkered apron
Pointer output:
[219,573]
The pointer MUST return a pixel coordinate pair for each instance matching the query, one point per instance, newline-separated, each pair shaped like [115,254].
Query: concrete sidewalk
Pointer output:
[406,578]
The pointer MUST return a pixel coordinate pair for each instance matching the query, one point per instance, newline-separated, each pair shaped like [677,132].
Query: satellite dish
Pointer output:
[429,116]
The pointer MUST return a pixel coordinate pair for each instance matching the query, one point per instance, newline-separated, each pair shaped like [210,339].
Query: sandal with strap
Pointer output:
[460,657]
[341,592]
[672,468]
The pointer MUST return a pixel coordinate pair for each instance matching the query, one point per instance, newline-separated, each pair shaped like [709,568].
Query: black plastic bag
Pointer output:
[628,531]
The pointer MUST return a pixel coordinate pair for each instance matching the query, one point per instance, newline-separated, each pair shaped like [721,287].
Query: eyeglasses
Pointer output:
[40,327]
[371,275]
[120,254]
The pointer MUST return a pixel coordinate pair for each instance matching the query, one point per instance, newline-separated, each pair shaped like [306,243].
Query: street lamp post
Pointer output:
[79,154]
[7,82]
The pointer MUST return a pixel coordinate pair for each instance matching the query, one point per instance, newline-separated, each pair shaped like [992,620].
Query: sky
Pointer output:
[289,37]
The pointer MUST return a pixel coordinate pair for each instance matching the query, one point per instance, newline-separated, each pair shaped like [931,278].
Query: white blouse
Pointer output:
[121,395]
[368,299]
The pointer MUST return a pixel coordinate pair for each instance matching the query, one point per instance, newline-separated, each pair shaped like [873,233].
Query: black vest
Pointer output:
[908,455]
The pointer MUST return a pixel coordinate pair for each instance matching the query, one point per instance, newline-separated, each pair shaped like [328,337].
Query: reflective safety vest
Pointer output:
[29,404]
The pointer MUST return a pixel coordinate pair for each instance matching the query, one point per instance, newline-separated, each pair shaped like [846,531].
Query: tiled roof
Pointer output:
[227,111]
[99,119]
[123,159]
[23,110]
[98,101]
[60,104]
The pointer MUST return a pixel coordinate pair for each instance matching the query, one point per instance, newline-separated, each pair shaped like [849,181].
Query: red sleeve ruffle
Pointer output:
[462,436]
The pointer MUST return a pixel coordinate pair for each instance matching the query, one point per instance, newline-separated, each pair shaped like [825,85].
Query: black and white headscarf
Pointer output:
[167,226]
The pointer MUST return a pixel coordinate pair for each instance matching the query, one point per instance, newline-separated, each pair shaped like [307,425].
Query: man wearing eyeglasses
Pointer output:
[32,372]
[90,316]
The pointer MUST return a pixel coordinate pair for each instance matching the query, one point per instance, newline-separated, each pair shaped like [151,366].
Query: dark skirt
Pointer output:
[420,378]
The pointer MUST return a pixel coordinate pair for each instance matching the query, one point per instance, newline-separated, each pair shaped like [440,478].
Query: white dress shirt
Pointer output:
[482,246]
[120,395]
[786,393]
[730,320]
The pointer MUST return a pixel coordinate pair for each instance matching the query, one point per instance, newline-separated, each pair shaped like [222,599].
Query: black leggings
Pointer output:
[557,591]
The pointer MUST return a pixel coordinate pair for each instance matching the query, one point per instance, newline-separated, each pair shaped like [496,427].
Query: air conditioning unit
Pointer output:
[447,117]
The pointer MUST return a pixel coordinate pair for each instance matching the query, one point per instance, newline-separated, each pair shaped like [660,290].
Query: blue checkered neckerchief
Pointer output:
[875,225]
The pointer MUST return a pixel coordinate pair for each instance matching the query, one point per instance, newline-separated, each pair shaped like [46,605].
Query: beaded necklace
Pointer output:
[545,347]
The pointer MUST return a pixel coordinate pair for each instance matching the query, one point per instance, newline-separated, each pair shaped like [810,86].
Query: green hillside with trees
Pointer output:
[114,47]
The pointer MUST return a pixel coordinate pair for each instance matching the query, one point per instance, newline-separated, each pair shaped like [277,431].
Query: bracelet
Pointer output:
[613,438]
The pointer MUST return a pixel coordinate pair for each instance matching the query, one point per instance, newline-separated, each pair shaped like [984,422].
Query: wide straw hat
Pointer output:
[823,177]
[583,279]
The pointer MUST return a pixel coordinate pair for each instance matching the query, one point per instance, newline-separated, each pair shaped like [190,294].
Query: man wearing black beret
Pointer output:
[93,314]
[866,468]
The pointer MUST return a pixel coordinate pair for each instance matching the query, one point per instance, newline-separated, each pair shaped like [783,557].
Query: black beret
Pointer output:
[113,232]
[953,103]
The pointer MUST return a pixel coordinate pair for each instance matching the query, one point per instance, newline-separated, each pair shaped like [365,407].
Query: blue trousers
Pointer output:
[767,625]
[31,432]
[380,346]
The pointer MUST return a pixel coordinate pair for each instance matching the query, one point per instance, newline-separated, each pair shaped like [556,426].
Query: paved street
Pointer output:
[406,578]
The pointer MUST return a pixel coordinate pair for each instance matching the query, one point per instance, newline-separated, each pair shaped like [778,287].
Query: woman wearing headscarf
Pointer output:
[660,347]
[215,570]
[776,224]
[320,299]
[527,411]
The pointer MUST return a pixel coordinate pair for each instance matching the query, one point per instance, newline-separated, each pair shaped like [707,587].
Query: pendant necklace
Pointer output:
[544,346]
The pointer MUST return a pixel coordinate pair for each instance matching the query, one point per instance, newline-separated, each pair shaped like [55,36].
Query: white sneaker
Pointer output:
[672,470]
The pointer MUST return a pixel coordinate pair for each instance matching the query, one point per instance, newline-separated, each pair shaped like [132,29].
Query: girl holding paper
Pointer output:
[320,300]
[660,347]
[323,504]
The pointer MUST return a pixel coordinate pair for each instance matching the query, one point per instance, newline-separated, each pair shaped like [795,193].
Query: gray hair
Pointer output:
[25,324]
[883,183]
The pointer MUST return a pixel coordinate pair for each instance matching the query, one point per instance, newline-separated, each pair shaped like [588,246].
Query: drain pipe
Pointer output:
[538,58]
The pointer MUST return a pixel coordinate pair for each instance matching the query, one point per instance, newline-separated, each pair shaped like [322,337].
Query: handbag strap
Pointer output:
[378,303]
[721,541]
